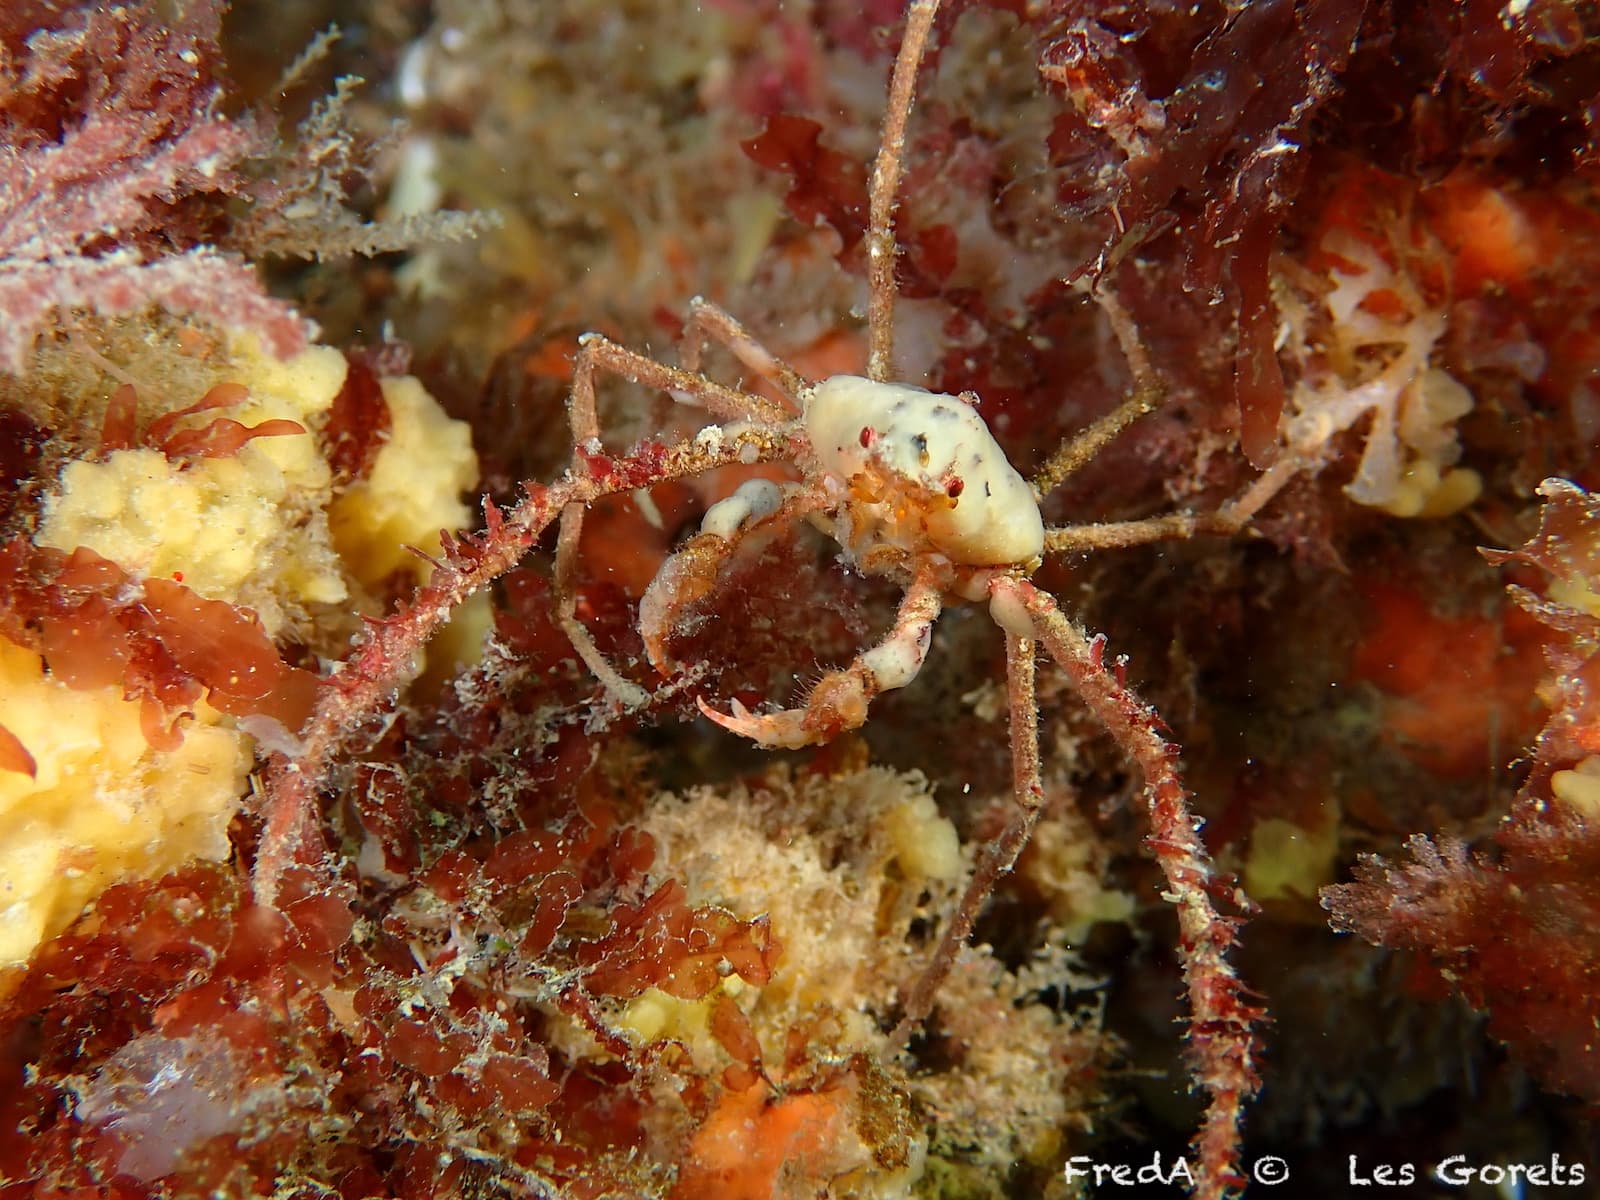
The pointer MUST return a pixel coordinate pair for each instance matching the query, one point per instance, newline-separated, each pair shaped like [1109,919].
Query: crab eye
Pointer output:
[954,488]
[866,436]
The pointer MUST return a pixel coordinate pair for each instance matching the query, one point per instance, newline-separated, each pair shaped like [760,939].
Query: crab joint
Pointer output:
[753,500]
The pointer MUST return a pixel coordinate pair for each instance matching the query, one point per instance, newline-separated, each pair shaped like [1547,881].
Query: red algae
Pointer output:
[356,424]
[1220,135]
[1512,927]
[662,943]
[1514,937]
[228,1000]
[826,186]
[14,755]
[96,626]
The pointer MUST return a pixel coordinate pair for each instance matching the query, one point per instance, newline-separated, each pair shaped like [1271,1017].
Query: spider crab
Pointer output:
[913,487]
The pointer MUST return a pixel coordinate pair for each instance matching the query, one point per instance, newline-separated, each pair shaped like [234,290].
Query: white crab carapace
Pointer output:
[950,486]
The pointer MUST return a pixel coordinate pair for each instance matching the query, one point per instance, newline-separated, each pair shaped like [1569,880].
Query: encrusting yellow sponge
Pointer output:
[103,805]
[261,529]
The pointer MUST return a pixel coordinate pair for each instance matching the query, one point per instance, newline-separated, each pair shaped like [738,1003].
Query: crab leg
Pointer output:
[358,689]
[629,693]
[1088,442]
[1108,535]
[1001,854]
[599,353]
[1148,391]
[885,188]
[1228,520]
[840,699]
[1222,1044]
[708,320]
[596,352]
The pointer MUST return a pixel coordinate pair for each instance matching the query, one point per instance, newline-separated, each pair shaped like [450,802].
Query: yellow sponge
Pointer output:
[412,492]
[103,806]
[261,529]
[249,529]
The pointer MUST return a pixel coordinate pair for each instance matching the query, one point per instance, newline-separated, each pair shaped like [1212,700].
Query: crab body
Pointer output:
[913,487]
[919,471]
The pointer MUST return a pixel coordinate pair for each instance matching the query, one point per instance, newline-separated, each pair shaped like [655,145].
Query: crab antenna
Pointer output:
[885,186]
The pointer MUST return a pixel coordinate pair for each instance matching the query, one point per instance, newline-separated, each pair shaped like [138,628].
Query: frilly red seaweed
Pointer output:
[97,626]
[1514,926]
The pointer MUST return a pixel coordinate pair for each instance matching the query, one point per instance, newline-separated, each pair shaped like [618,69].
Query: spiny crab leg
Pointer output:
[885,187]
[1083,446]
[839,701]
[1001,854]
[359,687]
[630,694]
[1222,1044]
[1227,521]
[1108,535]
[1149,389]
[596,353]
[708,320]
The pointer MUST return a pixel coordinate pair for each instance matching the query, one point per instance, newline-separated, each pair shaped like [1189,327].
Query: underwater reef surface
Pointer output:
[397,799]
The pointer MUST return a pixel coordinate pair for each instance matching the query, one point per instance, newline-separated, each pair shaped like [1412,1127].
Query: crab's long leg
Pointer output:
[358,688]
[596,353]
[1226,521]
[1088,442]
[599,353]
[1001,855]
[1222,1044]
[1148,391]
[885,188]
[629,693]
[1108,535]
[708,320]
[839,701]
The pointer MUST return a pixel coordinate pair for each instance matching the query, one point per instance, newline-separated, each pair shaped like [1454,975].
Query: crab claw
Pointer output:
[837,703]
[773,731]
